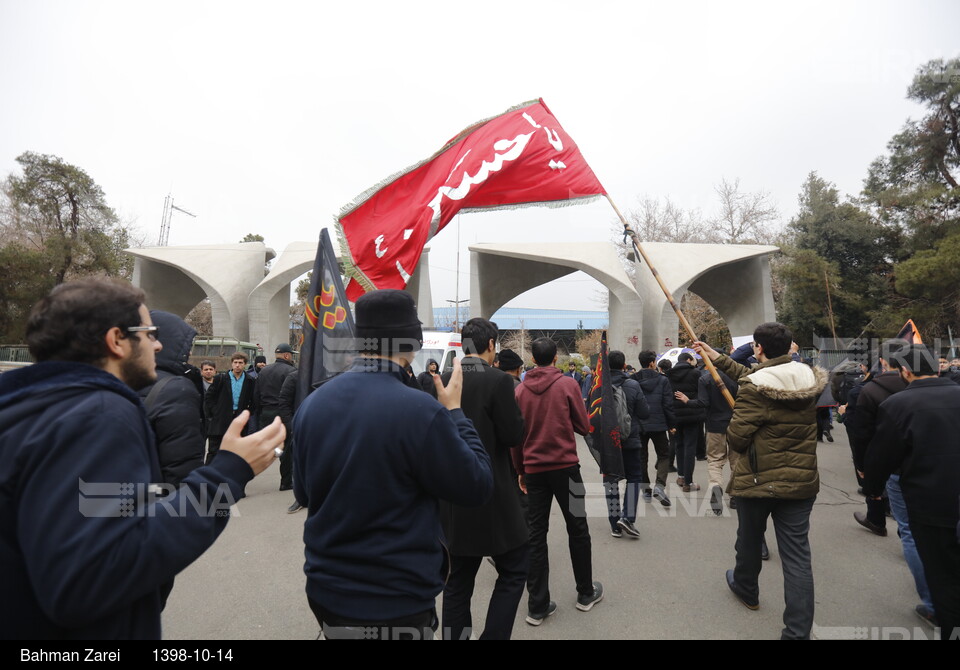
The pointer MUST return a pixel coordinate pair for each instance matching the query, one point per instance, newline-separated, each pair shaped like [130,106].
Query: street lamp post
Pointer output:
[456,322]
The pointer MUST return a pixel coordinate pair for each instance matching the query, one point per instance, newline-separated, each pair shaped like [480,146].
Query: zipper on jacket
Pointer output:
[753,464]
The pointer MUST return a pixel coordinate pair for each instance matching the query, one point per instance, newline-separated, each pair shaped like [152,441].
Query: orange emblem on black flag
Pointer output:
[910,333]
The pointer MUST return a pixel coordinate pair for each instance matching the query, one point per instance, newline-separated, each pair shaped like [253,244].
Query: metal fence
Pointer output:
[15,353]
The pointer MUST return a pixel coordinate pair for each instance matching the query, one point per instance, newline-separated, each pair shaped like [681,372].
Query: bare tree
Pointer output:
[519,342]
[743,218]
[589,344]
[201,318]
[666,222]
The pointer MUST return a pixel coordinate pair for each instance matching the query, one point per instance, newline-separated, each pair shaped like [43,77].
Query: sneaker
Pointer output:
[647,496]
[691,487]
[716,500]
[680,482]
[661,495]
[927,615]
[628,528]
[294,508]
[748,602]
[616,532]
[586,603]
[538,618]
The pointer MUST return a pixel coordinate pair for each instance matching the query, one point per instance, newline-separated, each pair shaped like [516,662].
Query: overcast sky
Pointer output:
[268,117]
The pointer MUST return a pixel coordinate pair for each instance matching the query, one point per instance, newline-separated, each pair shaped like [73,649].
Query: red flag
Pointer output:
[522,157]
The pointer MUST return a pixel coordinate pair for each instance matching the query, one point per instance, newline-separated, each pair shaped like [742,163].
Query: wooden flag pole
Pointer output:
[673,303]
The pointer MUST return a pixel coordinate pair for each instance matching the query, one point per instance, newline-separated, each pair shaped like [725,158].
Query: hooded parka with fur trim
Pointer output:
[774,425]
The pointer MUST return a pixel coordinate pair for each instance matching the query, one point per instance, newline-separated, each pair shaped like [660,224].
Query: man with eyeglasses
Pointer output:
[87,550]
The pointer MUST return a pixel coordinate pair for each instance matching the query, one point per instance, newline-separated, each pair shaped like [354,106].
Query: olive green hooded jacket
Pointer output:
[774,426]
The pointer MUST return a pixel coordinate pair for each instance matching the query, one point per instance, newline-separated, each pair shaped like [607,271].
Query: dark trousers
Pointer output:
[661,445]
[940,554]
[267,415]
[512,569]
[791,522]
[566,487]
[701,445]
[824,421]
[687,440]
[634,470]
[420,626]
[214,441]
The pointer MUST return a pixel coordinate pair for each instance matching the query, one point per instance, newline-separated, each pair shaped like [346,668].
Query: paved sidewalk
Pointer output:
[668,584]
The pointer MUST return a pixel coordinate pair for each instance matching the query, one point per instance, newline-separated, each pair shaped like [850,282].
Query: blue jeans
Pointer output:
[633,466]
[899,509]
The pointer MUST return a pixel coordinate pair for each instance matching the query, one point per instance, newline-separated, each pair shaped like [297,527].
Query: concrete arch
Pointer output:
[501,272]
[733,278]
[175,279]
[269,302]
[246,304]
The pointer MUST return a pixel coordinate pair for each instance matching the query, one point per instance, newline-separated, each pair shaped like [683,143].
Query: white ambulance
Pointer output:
[439,346]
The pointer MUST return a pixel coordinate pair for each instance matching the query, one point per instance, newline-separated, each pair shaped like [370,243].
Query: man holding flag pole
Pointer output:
[519,158]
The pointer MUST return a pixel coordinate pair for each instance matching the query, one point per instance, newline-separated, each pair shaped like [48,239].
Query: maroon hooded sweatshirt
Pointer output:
[553,410]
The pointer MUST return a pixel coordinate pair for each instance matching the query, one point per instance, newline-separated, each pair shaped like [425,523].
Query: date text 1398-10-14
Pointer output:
[181,655]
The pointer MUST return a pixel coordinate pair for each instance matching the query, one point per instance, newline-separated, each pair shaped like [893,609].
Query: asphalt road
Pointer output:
[669,584]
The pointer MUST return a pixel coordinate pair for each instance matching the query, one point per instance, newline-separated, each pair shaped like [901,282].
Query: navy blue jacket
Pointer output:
[84,553]
[636,405]
[711,399]
[373,459]
[659,394]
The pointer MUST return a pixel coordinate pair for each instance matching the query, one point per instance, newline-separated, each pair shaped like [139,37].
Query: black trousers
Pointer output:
[420,626]
[267,415]
[687,436]
[214,441]
[566,487]
[512,569]
[940,554]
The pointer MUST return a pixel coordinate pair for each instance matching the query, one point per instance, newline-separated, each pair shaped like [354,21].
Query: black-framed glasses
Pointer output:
[153,332]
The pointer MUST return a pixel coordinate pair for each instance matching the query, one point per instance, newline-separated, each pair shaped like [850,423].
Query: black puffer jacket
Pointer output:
[686,379]
[716,406]
[636,405]
[175,411]
[864,424]
[659,394]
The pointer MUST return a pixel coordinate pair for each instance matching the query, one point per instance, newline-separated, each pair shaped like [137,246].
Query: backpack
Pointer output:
[623,414]
[843,378]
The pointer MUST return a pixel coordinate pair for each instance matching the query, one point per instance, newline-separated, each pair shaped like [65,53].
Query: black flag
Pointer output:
[605,442]
[329,334]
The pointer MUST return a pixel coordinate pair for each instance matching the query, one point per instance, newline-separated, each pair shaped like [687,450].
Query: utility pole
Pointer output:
[168,208]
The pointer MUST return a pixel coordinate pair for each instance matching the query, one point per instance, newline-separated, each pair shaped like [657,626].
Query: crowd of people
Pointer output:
[460,465]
